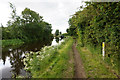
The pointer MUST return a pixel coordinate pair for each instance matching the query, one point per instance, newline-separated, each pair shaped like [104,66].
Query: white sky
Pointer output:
[55,12]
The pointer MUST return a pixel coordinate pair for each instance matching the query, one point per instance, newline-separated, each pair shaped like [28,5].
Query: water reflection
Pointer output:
[14,64]
[11,62]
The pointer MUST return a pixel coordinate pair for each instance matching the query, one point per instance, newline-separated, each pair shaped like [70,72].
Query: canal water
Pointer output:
[10,62]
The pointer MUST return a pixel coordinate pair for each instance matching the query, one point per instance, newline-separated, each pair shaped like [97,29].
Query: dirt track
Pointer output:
[79,69]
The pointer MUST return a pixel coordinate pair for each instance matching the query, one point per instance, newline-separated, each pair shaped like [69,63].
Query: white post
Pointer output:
[103,49]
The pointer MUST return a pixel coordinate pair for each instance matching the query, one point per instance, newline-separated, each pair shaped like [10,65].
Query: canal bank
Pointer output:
[10,61]
[51,61]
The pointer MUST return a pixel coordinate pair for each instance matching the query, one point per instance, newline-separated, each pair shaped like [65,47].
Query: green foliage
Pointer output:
[13,42]
[48,63]
[30,16]
[57,33]
[27,27]
[65,34]
[95,66]
[97,23]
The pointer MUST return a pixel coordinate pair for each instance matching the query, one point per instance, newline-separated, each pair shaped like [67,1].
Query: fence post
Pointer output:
[103,49]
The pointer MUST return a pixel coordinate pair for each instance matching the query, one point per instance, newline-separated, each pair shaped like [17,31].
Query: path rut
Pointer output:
[79,68]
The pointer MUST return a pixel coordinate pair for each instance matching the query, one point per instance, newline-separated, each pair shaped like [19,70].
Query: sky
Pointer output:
[55,12]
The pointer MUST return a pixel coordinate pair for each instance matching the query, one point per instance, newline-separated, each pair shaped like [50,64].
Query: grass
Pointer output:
[12,42]
[95,66]
[111,61]
[51,62]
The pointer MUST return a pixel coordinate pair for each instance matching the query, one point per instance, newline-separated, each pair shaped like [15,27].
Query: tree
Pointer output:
[30,16]
[60,33]
[28,26]
[57,33]
[96,23]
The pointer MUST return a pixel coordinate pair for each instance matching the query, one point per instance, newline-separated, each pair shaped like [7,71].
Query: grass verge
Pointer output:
[95,66]
[51,61]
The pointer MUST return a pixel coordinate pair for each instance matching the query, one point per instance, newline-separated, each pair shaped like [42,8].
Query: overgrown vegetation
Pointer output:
[97,23]
[51,62]
[30,26]
[95,65]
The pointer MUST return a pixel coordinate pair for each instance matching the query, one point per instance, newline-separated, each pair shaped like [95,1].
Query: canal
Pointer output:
[11,61]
